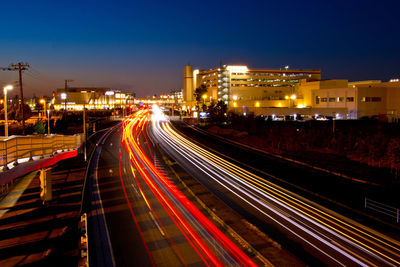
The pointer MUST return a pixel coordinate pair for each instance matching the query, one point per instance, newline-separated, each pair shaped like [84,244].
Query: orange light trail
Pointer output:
[134,127]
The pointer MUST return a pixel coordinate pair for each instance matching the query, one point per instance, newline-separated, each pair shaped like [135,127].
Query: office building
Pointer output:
[352,100]
[240,86]
[76,98]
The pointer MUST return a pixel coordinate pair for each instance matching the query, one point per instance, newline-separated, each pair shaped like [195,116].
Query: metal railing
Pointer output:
[19,147]
[387,210]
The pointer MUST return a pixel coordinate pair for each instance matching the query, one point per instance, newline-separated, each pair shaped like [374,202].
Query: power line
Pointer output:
[38,73]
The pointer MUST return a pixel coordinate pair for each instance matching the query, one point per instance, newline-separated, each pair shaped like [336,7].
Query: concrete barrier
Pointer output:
[19,147]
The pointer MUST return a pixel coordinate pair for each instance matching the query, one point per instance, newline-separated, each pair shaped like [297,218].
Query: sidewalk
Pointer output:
[48,235]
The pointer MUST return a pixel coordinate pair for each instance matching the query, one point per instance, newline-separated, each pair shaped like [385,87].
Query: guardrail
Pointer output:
[19,147]
[381,208]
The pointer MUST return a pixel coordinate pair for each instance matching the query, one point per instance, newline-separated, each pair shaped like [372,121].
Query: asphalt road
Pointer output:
[139,217]
[331,238]
[121,234]
[344,196]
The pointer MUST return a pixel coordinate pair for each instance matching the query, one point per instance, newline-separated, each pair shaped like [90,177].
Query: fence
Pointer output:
[384,209]
[19,147]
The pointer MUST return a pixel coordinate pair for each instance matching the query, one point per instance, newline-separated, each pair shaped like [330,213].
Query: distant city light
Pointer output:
[63,96]
[109,92]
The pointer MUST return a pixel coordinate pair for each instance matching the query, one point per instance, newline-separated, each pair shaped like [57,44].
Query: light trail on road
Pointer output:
[334,238]
[213,247]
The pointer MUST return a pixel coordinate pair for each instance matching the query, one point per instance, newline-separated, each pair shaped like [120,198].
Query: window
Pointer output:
[376,99]
[317,100]
[340,99]
[350,99]
[324,99]
[332,99]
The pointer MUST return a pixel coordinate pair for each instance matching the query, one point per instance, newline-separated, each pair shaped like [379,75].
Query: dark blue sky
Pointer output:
[143,45]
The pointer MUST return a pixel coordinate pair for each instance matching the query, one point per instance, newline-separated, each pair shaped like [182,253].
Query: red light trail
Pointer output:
[133,129]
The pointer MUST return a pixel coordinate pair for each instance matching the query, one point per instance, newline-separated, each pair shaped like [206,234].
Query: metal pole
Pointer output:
[5,159]
[84,131]
[5,114]
[42,156]
[48,120]
[65,91]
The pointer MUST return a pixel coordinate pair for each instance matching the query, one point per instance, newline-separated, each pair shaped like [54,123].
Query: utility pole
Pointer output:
[20,67]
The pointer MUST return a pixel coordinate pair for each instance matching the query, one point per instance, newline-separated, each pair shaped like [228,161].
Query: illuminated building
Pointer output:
[352,100]
[92,98]
[289,92]
[244,86]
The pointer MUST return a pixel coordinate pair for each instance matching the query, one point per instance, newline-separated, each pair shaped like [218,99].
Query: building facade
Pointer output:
[289,92]
[359,99]
[76,98]
[240,86]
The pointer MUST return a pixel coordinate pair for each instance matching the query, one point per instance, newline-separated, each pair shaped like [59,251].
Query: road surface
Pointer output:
[333,239]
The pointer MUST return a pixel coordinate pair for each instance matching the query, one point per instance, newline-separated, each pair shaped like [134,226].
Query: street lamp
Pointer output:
[5,89]
[43,101]
[204,98]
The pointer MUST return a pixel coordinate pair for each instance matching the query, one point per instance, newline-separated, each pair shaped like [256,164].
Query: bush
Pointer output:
[39,127]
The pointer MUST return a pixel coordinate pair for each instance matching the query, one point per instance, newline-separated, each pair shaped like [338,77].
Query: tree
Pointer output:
[393,154]
[198,94]
[39,127]
[217,111]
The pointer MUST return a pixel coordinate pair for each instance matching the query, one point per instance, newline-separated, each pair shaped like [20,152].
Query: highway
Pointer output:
[333,239]
[142,218]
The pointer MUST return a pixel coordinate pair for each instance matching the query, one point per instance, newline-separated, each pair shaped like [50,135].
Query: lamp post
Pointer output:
[43,101]
[293,98]
[5,89]
[204,100]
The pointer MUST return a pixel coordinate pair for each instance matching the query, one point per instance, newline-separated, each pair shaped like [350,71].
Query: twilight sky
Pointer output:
[142,46]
